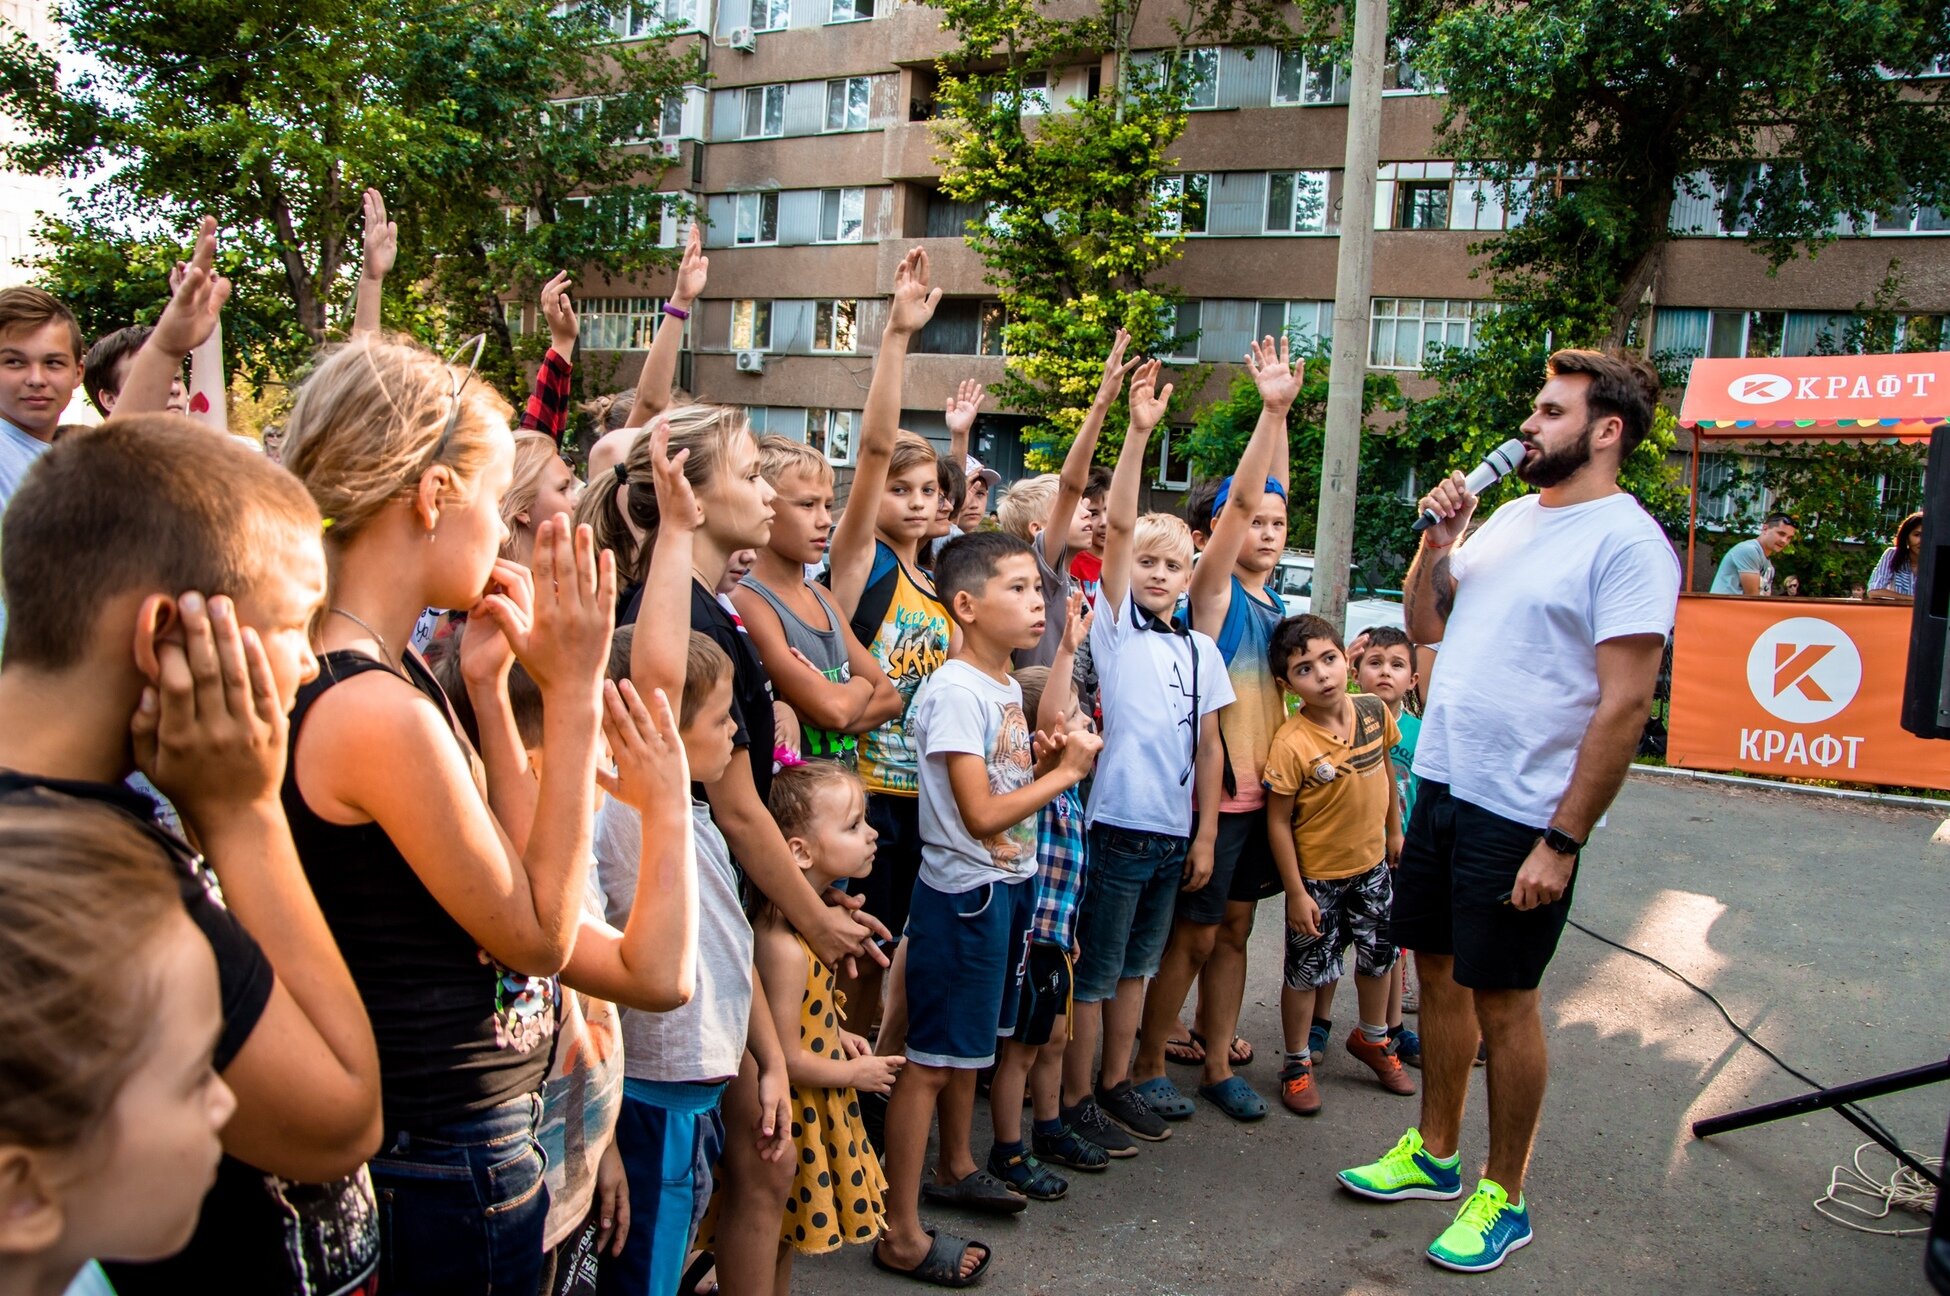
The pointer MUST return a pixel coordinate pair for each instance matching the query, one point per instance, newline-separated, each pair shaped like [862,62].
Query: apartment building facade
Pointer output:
[812,153]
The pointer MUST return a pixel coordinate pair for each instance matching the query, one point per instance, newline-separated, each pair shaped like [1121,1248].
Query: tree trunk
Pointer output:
[304,296]
[1654,219]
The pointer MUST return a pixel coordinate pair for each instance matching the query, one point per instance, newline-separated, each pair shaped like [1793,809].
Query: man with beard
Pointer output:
[1552,622]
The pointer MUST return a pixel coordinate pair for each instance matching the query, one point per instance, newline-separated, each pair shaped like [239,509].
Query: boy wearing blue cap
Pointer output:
[1230,601]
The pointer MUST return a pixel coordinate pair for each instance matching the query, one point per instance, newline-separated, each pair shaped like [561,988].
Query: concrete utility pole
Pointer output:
[1340,459]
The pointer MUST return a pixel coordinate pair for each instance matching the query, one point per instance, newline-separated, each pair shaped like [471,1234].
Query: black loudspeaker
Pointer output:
[1926,690]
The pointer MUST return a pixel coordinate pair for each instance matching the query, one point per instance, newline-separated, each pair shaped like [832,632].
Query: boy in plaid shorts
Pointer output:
[1333,814]
[1032,1058]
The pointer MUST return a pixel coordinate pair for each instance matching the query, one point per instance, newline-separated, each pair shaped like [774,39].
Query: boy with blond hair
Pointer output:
[1037,506]
[1162,687]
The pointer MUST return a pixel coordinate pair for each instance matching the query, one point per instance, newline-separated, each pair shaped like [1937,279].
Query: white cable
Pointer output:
[1903,1188]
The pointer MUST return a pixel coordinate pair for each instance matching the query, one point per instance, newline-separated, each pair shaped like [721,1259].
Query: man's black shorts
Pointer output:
[1458,866]
[1242,869]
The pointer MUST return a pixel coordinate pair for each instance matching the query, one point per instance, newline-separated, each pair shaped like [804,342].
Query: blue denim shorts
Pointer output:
[462,1206]
[1130,890]
[966,955]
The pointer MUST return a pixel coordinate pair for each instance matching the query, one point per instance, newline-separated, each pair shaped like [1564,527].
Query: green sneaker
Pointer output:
[1487,1229]
[1406,1172]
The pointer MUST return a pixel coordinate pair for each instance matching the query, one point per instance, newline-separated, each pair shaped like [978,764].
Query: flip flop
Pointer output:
[692,1282]
[1186,1052]
[1235,1098]
[941,1266]
[1241,1052]
[980,1191]
[1164,1098]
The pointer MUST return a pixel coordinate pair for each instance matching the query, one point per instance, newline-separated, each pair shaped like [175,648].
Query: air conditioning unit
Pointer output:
[743,38]
[751,362]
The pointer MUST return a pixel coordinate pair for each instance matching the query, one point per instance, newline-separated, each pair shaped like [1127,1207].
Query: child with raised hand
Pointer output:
[654,384]
[968,927]
[1032,1055]
[837,1186]
[877,582]
[1231,601]
[1036,507]
[817,665]
[454,897]
[1333,816]
[720,1051]
[163,583]
[1162,687]
[113,1012]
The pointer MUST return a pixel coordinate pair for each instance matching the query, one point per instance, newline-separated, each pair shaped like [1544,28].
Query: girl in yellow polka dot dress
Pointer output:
[836,1195]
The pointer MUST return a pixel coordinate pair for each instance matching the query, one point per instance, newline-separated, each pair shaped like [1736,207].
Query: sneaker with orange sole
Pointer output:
[1297,1089]
[1381,1059]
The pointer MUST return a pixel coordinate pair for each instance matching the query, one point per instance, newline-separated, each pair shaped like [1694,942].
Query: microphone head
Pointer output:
[1506,457]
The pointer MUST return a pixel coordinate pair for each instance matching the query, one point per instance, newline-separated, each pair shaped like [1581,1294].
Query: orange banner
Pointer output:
[1816,396]
[1804,688]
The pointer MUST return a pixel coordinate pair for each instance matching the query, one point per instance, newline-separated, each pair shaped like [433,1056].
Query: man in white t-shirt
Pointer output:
[1552,621]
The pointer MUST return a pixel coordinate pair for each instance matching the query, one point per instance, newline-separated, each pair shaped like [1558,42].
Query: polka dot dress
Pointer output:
[836,1193]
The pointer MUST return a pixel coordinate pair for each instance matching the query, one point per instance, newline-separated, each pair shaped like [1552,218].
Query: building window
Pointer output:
[1178,329]
[1301,322]
[1202,76]
[1405,330]
[850,11]
[670,121]
[1899,494]
[842,215]
[1912,220]
[1309,78]
[847,101]
[1034,100]
[1398,74]
[830,432]
[764,112]
[1182,201]
[1296,202]
[751,325]
[1422,205]
[1734,334]
[618,323]
[1174,460]
[771,15]
[993,317]
[757,219]
[834,325]
[682,14]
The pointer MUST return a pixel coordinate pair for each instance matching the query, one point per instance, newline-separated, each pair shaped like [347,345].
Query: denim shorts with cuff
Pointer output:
[1129,893]
[967,952]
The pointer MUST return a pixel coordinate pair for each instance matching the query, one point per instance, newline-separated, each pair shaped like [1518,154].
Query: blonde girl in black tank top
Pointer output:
[453,884]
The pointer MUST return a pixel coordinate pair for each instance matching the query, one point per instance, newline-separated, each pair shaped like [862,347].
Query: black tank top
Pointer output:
[457,1033]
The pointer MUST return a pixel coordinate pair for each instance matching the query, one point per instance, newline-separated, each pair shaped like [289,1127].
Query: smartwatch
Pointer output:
[1562,842]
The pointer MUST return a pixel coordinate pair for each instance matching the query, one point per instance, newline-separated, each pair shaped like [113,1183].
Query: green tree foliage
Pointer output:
[1382,541]
[274,115]
[1076,226]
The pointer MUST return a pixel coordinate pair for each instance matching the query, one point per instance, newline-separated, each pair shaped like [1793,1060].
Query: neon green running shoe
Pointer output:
[1487,1229]
[1406,1172]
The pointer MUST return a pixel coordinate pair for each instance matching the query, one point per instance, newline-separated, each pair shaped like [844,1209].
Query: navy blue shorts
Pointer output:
[966,955]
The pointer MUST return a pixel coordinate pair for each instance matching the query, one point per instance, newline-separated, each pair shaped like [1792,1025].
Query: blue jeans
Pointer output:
[1130,889]
[462,1206]
[668,1136]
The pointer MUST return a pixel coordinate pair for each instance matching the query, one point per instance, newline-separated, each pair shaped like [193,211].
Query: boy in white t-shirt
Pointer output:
[968,923]
[1162,687]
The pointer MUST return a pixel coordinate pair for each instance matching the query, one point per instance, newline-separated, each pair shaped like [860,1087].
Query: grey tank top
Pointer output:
[826,650]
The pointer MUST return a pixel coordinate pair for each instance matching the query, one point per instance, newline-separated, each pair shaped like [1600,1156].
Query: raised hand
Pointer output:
[1115,368]
[197,301]
[1076,627]
[914,300]
[676,502]
[381,239]
[1273,373]
[964,405]
[209,730]
[563,326]
[651,772]
[567,647]
[1148,403]
[692,271]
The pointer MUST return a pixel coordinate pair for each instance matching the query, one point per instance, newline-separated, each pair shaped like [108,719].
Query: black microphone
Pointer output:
[1483,476]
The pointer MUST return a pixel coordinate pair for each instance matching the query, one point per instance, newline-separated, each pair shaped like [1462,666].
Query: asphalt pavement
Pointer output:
[1823,926]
